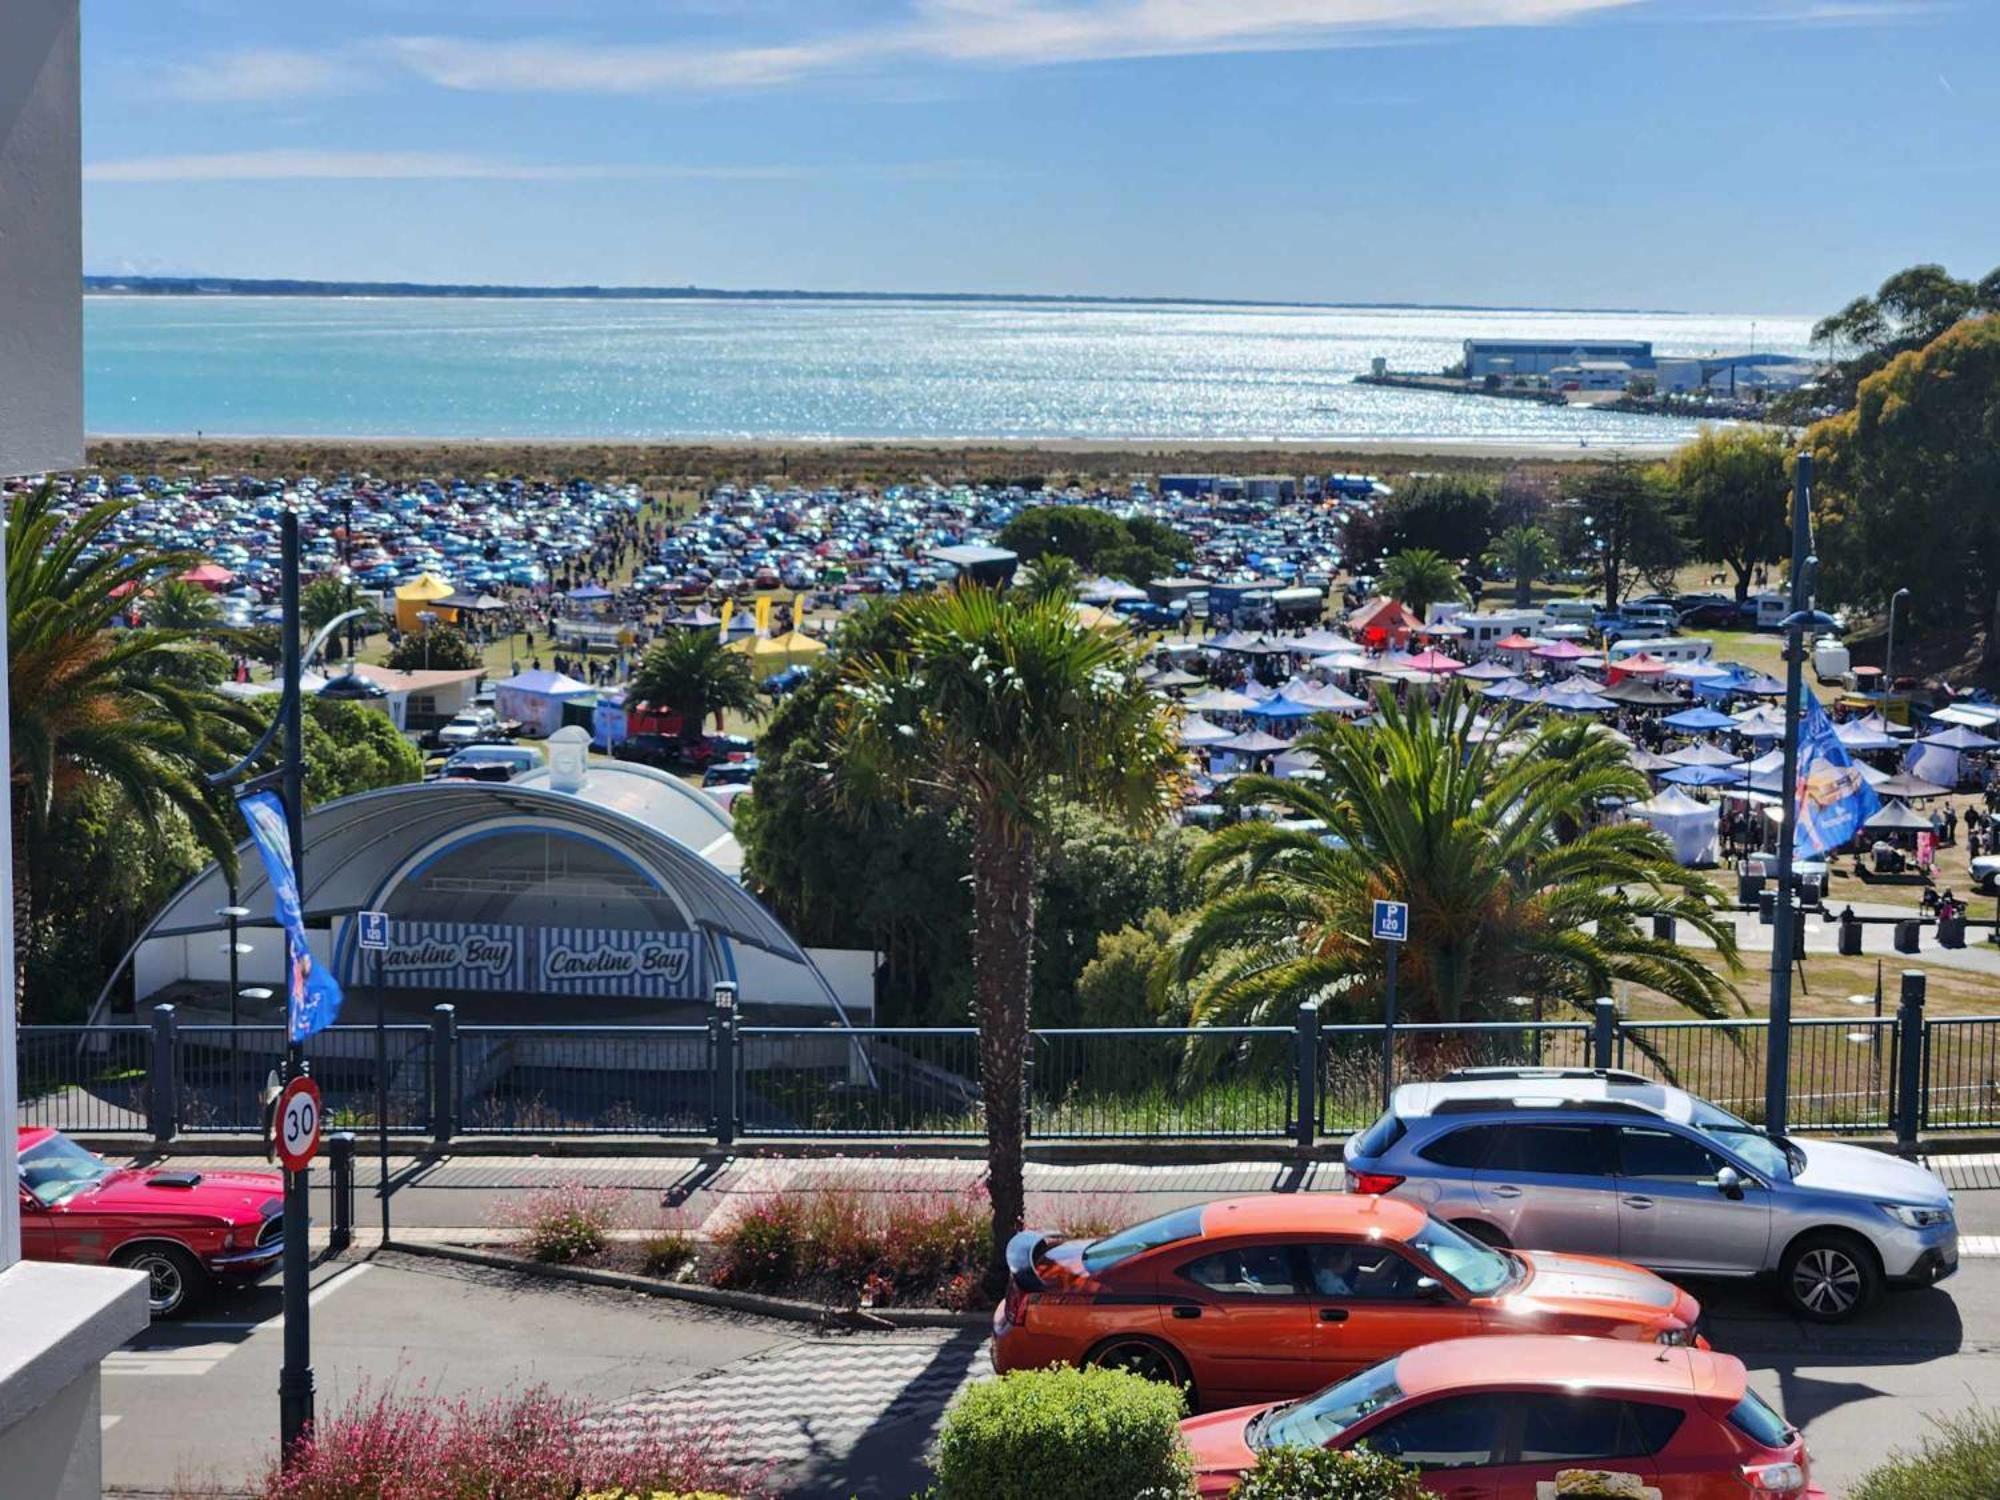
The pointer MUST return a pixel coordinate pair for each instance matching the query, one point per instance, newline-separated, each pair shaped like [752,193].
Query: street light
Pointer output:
[235,949]
[1889,652]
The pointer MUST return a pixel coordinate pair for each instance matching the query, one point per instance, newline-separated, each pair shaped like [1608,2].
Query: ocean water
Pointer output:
[502,368]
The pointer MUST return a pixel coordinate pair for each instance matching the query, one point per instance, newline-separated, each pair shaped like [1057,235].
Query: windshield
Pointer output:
[1771,1157]
[1103,1254]
[59,1168]
[1481,1270]
[1319,1419]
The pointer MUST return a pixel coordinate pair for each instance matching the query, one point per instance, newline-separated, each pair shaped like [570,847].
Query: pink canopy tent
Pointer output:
[1561,651]
[1433,662]
[211,576]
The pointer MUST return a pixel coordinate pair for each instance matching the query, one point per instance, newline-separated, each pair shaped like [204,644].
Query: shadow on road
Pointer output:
[891,1458]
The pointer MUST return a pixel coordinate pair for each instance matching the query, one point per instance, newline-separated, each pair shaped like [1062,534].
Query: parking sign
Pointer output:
[374,929]
[1392,921]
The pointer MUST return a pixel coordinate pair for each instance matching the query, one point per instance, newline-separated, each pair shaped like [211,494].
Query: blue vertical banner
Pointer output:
[1831,797]
[313,994]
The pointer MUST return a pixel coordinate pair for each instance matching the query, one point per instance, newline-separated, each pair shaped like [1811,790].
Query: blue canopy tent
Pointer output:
[1280,708]
[1702,776]
[1699,720]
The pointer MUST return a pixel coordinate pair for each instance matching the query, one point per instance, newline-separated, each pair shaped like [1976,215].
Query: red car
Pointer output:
[1250,1299]
[1492,1418]
[185,1230]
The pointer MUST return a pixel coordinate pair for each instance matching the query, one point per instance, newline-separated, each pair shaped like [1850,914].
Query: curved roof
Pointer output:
[355,844]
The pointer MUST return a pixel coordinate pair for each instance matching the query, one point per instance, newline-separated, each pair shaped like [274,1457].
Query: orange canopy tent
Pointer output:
[1382,622]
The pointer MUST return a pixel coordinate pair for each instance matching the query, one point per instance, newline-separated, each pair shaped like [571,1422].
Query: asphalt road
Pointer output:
[852,1414]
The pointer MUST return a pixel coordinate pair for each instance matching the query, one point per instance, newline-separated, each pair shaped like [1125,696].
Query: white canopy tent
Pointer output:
[1686,824]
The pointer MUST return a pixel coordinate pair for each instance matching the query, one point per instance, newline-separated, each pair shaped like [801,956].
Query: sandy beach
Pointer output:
[678,463]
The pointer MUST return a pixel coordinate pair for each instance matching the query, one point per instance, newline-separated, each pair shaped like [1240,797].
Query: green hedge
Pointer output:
[1960,1462]
[1319,1474]
[1059,1433]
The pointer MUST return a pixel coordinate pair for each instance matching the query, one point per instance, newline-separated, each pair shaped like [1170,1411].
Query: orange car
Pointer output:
[1499,1418]
[1253,1299]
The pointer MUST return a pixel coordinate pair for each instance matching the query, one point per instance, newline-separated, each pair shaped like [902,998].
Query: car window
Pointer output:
[1457,1432]
[1465,1147]
[1367,1273]
[1551,1150]
[1556,1428]
[1759,1423]
[1653,1424]
[1101,1255]
[1664,1156]
[1379,1137]
[1247,1271]
[57,1168]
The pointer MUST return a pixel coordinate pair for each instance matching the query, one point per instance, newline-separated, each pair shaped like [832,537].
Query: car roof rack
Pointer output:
[1606,1075]
[1479,1104]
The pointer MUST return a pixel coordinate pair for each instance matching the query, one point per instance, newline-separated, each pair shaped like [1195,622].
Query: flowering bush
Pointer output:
[563,1224]
[529,1446]
[760,1248]
[878,1244]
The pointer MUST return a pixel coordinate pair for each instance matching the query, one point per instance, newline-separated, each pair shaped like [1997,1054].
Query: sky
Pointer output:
[1774,156]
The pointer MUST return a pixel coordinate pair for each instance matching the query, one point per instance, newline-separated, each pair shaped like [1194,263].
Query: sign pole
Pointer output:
[295,1377]
[1391,927]
[374,930]
[1778,1031]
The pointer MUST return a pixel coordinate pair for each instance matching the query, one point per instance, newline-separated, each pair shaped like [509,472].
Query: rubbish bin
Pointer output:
[1748,884]
[1951,932]
[1850,937]
[1906,935]
[1767,907]
[1663,926]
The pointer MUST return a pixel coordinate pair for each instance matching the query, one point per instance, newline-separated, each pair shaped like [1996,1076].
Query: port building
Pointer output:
[1507,357]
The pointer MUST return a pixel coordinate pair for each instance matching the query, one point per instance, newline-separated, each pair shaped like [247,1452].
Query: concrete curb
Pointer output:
[783,1309]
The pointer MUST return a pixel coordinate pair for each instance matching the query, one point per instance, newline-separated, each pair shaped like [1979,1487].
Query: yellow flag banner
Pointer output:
[764,614]
[728,609]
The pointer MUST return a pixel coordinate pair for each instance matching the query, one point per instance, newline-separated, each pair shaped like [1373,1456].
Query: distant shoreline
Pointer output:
[684,463]
[232,286]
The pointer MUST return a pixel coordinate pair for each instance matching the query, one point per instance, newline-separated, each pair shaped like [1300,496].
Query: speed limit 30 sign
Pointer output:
[297,1125]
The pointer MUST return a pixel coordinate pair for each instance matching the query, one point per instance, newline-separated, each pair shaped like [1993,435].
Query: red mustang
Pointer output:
[183,1229]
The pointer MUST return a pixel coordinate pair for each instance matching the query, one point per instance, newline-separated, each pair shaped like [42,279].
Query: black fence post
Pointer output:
[1910,1060]
[163,1095]
[444,1074]
[722,1058]
[1306,1062]
[1604,1039]
[340,1169]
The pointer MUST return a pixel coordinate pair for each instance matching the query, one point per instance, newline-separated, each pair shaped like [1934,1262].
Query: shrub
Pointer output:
[563,1224]
[665,1252]
[1321,1474]
[760,1249]
[529,1446]
[926,1237]
[1958,1462]
[1049,1434]
[838,1232]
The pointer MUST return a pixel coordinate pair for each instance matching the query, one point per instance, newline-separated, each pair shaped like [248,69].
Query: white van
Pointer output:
[1675,648]
[1569,612]
[1486,629]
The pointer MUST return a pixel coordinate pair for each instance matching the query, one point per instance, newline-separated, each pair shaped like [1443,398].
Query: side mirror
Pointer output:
[1430,1289]
[1729,1183]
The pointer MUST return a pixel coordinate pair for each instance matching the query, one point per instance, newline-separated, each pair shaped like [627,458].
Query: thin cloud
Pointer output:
[262,74]
[282,165]
[993,33]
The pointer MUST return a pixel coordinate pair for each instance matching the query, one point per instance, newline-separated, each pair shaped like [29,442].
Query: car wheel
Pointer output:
[1147,1358]
[174,1278]
[1485,1233]
[1828,1276]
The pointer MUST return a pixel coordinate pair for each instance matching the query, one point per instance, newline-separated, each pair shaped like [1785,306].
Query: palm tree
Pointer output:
[128,707]
[328,598]
[990,708]
[1510,889]
[691,673]
[1420,578]
[1053,576]
[176,604]
[1526,553]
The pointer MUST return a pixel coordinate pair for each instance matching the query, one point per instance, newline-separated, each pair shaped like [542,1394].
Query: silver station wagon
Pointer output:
[1610,1163]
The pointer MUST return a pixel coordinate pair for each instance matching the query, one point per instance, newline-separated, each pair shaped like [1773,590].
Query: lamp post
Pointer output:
[1778,1056]
[235,949]
[1889,652]
[295,1376]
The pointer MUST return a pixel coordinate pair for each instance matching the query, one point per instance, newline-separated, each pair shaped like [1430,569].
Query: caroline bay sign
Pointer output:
[530,960]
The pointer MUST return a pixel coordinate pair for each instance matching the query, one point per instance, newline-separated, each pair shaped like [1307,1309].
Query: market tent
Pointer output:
[1689,826]
[1318,641]
[1253,742]
[1574,697]
[1861,735]
[1195,730]
[1758,685]
[1703,754]
[1220,701]
[1433,663]
[1915,788]
[1354,659]
[1487,671]
[589,593]
[1382,622]
[211,576]
[1761,723]
[1511,690]
[1519,642]
[1645,664]
[1699,721]
[1281,708]
[1971,715]
[1636,694]
[1899,815]
[1649,763]
[1703,776]
[424,594]
[778,653]
[1166,681]
[1960,738]
[537,699]
[478,604]
[1698,671]
[1109,591]
[1324,698]
[1561,651]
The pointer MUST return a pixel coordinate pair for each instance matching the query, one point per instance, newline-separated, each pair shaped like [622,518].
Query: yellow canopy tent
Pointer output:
[420,596]
[773,654]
